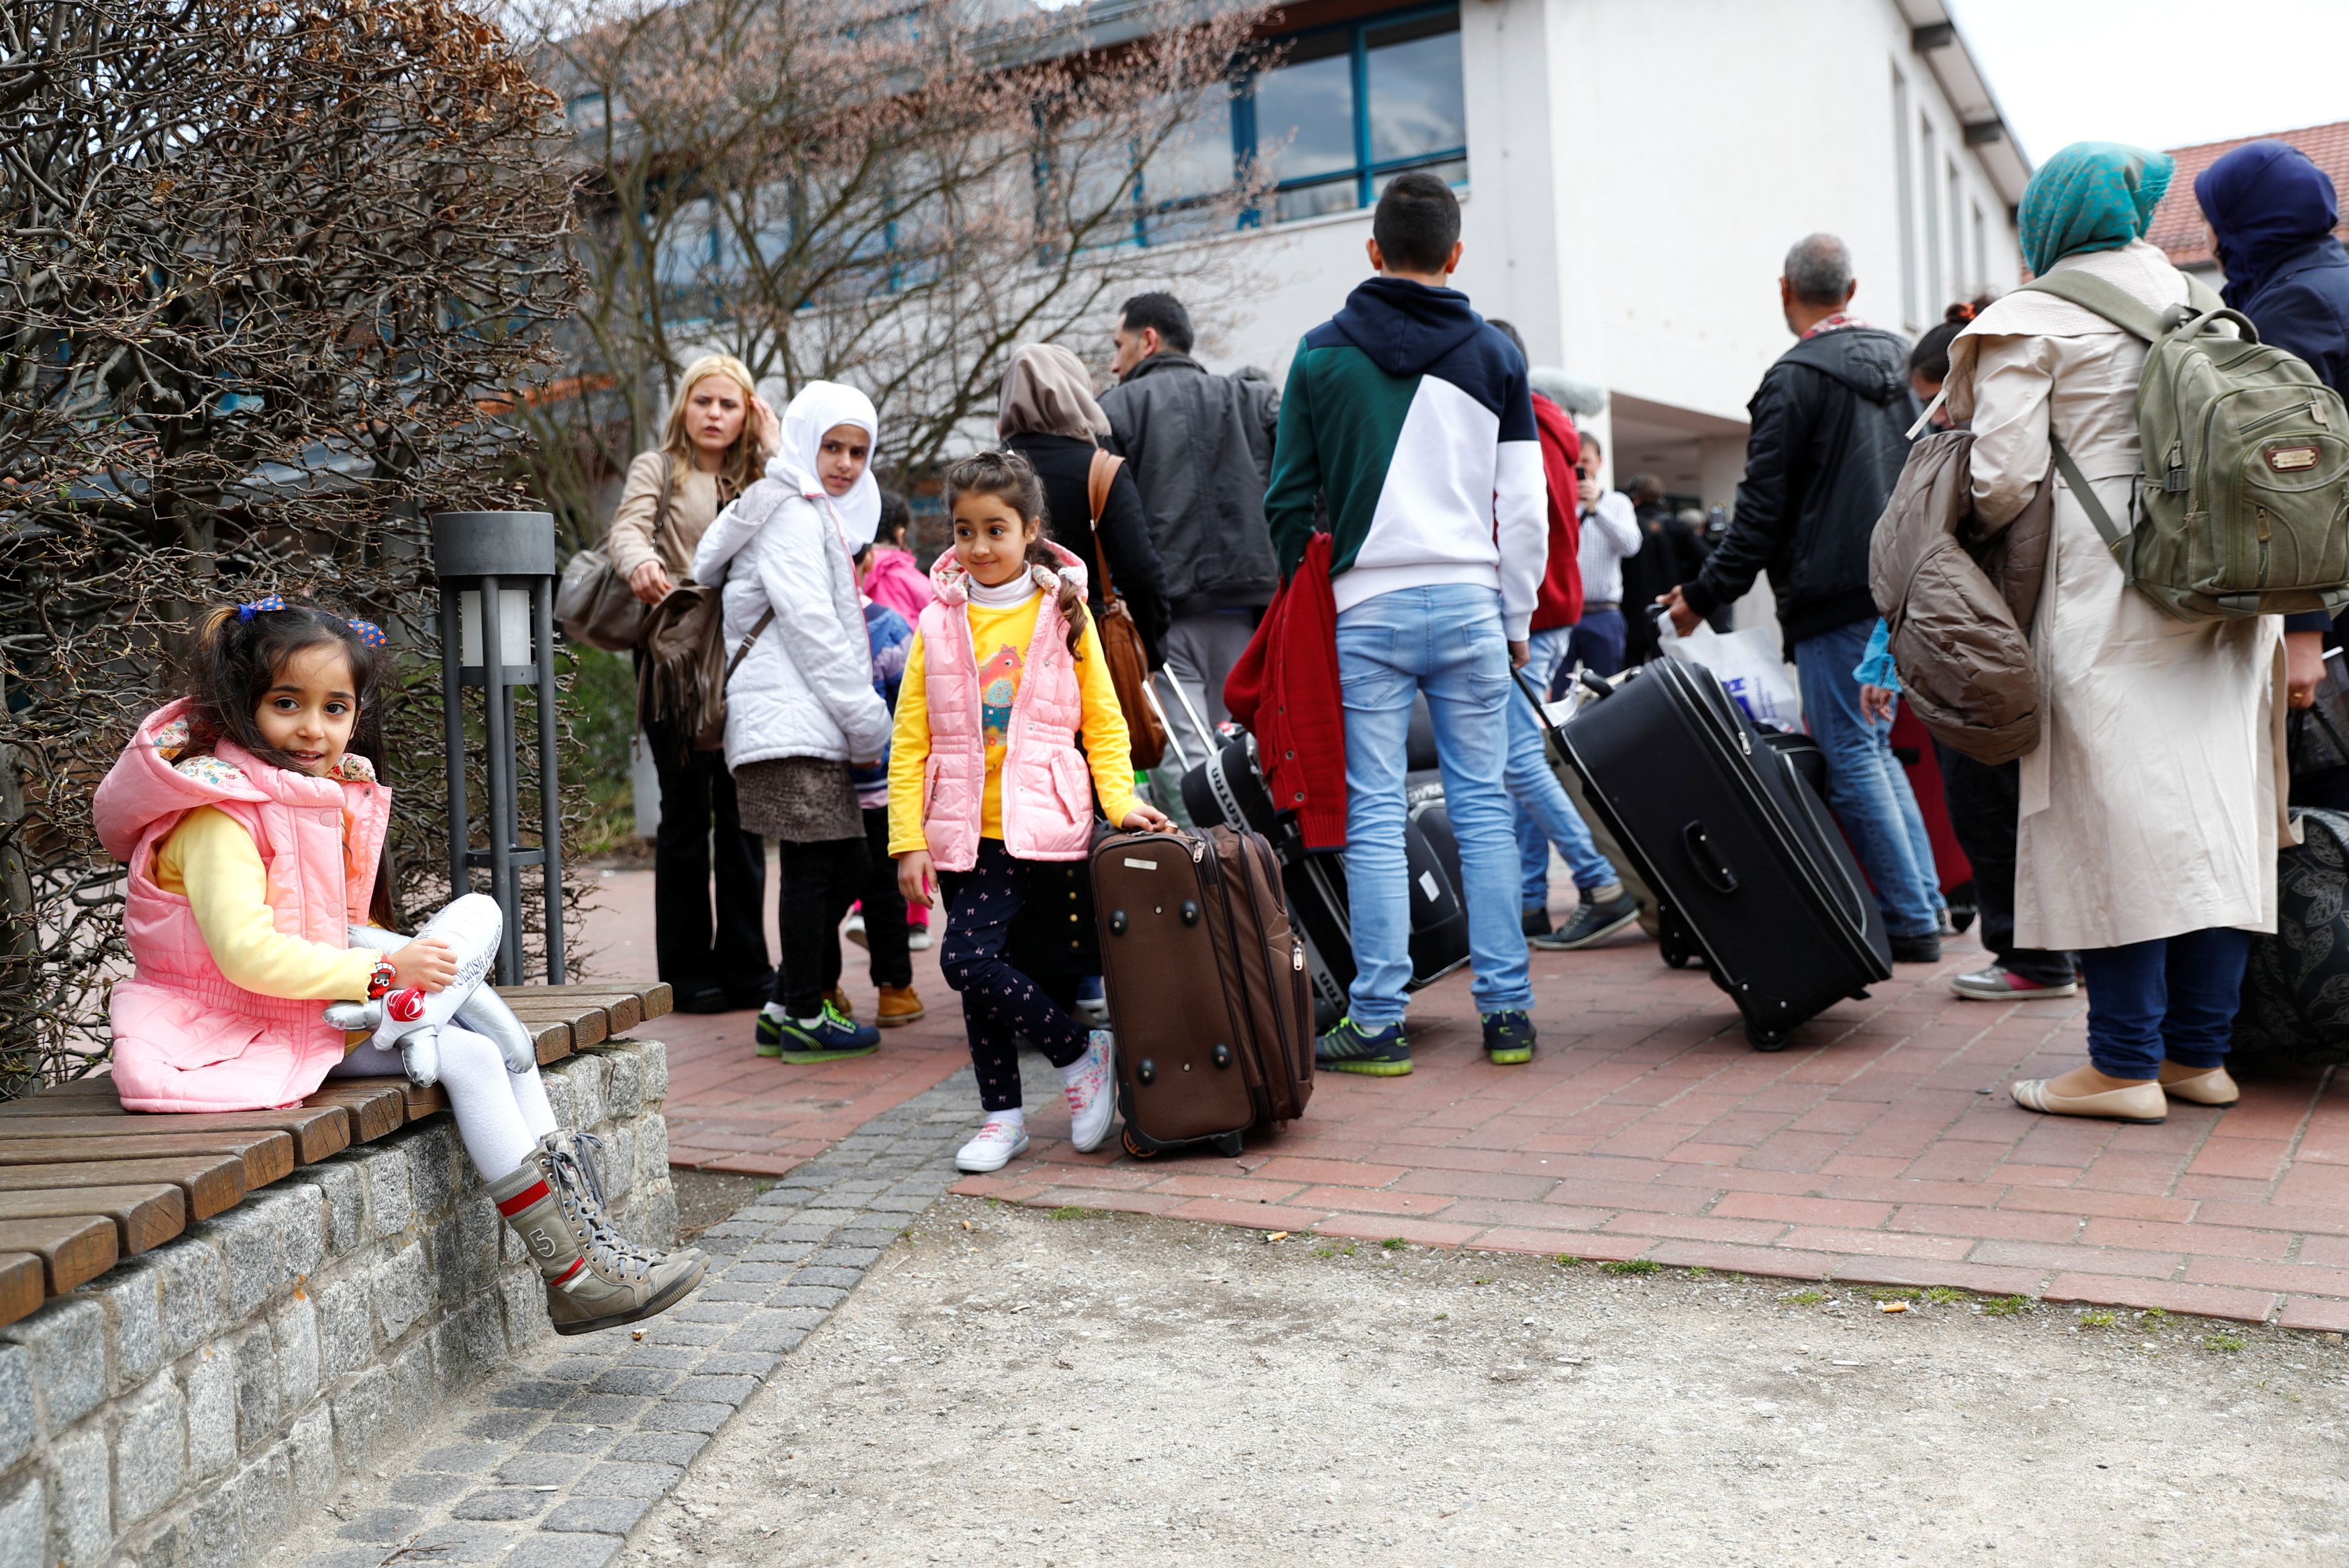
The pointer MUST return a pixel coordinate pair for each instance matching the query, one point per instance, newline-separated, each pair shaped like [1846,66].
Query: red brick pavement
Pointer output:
[730,1109]
[1646,1127]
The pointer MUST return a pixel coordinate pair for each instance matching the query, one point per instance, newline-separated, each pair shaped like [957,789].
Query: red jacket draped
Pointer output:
[1560,600]
[1284,691]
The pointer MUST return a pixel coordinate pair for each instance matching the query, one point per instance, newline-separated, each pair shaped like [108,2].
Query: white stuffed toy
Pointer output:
[409,1020]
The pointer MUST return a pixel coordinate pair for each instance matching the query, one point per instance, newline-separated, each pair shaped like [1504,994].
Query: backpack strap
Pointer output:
[743,651]
[2109,300]
[2113,535]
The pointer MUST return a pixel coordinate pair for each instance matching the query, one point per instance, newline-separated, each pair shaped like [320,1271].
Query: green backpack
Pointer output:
[2243,508]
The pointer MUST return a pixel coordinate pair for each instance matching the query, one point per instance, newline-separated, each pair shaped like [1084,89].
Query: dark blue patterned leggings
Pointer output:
[999,1004]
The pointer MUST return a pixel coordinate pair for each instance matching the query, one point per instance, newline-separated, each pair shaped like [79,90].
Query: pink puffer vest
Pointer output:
[1047,792]
[184,1037]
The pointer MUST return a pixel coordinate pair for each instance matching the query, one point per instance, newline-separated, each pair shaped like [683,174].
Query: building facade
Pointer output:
[1631,173]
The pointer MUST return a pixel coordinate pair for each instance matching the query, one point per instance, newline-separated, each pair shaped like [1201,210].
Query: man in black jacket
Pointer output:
[1828,440]
[1200,448]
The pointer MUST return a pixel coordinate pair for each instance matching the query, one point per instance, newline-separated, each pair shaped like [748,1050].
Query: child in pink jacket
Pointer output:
[1004,678]
[250,819]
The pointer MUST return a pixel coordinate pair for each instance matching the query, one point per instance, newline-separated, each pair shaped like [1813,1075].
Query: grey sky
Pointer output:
[2158,73]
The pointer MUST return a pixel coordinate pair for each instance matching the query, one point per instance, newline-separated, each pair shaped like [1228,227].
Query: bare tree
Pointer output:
[270,270]
[893,194]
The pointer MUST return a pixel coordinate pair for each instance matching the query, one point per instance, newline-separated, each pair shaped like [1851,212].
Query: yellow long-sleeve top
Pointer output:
[211,860]
[999,639]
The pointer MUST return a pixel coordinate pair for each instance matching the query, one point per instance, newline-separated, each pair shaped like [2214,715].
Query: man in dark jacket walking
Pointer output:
[1827,442]
[1200,448]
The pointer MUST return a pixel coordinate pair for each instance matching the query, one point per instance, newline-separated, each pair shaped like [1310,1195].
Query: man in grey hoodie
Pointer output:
[1201,447]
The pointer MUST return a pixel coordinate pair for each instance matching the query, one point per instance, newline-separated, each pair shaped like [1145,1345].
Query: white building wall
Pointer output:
[1638,169]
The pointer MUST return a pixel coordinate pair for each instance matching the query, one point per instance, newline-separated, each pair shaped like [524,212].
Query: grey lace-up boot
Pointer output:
[594,1279]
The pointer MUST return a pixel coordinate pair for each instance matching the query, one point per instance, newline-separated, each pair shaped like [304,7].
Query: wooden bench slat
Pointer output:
[317,1132]
[73,1251]
[267,1156]
[143,1216]
[211,1183]
[23,1285]
[552,1040]
[375,1106]
[423,1101]
[649,999]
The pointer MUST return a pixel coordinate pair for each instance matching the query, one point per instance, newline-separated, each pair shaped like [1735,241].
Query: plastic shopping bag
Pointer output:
[1748,666]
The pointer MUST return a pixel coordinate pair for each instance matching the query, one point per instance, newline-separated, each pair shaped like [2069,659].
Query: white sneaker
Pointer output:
[993,1149]
[919,939]
[853,928]
[1093,1094]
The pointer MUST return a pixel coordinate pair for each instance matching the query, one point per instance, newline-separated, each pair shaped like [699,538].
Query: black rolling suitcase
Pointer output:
[1228,788]
[1750,872]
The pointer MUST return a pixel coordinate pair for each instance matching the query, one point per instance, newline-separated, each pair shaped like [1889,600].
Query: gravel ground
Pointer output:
[1012,1386]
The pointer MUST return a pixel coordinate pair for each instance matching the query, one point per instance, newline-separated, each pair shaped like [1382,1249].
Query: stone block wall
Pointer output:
[189,1406]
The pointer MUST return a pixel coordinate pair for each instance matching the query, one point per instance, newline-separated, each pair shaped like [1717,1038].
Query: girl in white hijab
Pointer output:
[801,707]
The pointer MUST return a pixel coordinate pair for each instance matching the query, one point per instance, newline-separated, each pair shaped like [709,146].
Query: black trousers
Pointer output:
[1983,803]
[820,881]
[700,833]
[1000,1002]
[885,907]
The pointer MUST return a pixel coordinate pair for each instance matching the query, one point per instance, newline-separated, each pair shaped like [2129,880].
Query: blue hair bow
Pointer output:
[247,612]
[369,633]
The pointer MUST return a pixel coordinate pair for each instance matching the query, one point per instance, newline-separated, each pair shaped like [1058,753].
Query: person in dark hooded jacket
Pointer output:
[2271,212]
[1830,437]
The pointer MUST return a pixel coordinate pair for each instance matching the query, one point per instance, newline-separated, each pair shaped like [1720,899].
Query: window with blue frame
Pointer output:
[1342,110]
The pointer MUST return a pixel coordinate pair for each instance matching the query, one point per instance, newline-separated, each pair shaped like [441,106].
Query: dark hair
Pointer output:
[1506,330]
[1590,441]
[896,517]
[1163,312]
[1417,222]
[1930,357]
[237,657]
[1646,487]
[1007,477]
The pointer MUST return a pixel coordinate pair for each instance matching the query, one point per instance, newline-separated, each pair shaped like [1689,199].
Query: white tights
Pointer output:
[500,1115]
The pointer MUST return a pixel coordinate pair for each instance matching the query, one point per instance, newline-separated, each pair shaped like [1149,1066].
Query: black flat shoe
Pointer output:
[706,999]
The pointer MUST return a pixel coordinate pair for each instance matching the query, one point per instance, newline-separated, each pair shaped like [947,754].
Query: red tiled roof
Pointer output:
[2177,221]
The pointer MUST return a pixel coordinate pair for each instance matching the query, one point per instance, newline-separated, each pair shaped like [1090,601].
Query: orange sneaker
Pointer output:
[898,1006]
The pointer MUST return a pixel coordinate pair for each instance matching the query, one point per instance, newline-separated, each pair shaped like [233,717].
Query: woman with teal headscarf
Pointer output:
[2150,813]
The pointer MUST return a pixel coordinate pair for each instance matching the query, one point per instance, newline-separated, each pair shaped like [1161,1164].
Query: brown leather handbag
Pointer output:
[595,604]
[682,684]
[1121,639]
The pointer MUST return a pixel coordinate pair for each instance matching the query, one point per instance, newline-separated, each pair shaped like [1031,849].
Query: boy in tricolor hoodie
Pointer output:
[1411,419]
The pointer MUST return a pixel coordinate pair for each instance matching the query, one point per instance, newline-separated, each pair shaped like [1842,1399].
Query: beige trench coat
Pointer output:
[2153,804]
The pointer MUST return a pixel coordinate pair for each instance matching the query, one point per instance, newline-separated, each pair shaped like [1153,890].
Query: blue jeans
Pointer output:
[1598,641]
[1444,641]
[2170,999]
[1866,786]
[1546,814]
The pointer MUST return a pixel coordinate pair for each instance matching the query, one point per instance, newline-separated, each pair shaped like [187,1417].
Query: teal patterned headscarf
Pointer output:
[2092,196]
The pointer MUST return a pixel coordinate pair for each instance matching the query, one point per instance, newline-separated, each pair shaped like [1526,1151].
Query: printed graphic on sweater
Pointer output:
[999,685]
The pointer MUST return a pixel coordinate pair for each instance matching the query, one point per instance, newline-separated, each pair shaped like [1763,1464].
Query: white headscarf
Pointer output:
[821,405]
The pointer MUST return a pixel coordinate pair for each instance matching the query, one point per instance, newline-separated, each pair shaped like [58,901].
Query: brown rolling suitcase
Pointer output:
[1207,987]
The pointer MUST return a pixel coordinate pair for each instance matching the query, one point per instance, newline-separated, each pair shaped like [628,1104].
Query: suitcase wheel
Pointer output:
[1668,948]
[1764,1038]
[1228,1145]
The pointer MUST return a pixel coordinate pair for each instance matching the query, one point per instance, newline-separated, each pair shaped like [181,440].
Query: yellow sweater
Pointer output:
[211,860]
[999,639]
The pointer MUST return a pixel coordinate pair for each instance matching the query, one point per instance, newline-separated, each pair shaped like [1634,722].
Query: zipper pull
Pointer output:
[2316,412]
[1198,850]
[1296,956]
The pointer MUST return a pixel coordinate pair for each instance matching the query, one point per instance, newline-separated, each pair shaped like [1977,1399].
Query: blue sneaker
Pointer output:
[1350,1048]
[1508,1037]
[835,1036]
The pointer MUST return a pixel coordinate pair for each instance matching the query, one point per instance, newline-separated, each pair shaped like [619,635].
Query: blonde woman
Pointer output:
[714,444]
